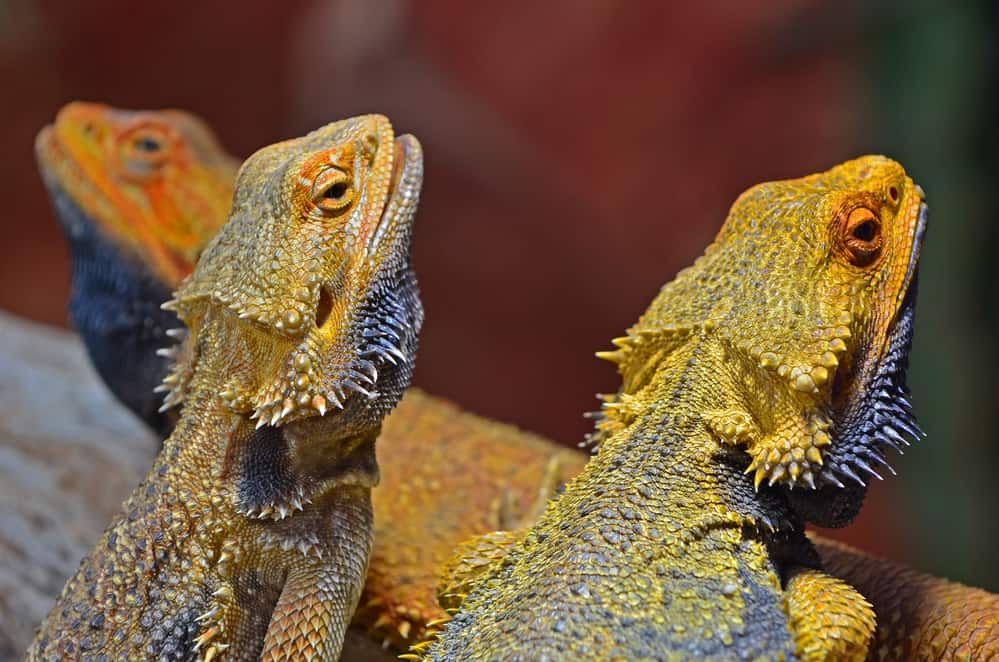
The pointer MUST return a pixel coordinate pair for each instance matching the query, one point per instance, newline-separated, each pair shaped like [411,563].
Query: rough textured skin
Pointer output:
[495,477]
[138,195]
[830,620]
[57,517]
[662,548]
[250,538]
[498,466]
[824,613]
[919,617]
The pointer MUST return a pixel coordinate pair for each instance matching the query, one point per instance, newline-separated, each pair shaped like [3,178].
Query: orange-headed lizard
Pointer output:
[498,473]
[758,388]
[138,195]
[250,535]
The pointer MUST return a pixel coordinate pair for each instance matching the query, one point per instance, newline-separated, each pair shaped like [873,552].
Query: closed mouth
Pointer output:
[917,244]
[404,161]
[49,151]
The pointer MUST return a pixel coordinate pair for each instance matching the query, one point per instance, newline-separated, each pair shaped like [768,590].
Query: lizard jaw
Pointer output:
[879,418]
[868,411]
[878,414]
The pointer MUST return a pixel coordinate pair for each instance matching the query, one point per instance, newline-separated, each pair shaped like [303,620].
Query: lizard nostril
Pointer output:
[324,307]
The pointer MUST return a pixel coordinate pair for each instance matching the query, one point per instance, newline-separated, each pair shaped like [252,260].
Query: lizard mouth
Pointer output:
[54,166]
[390,318]
[47,150]
[60,172]
[876,414]
[324,305]
[407,159]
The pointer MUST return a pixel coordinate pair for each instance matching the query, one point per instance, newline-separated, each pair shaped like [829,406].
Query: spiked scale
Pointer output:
[880,417]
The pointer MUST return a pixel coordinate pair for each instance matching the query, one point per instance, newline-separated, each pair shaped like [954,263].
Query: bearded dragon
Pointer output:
[250,536]
[138,195]
[500,473]
[781,354]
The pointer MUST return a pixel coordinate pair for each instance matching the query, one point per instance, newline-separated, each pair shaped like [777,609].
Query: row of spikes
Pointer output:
[381,337]
[892,425]
[892,410]
[306,546]
[382,334]
[888,421]
[171,383]
[278,512]
[207,639]
[432,630]
[592,439]
[637,338]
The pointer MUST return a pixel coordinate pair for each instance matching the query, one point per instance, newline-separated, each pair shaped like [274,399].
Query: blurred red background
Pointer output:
[578,153]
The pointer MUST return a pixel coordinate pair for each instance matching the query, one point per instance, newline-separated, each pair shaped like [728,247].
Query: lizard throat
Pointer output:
[879,415]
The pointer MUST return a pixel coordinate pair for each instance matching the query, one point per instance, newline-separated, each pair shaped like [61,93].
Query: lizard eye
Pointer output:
[147,144]
[333,191]
[862,236]
[145,150]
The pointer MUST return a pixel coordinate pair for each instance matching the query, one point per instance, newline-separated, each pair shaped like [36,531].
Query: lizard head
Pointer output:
[809,287]
[833,304]
[157,184]
[310,277]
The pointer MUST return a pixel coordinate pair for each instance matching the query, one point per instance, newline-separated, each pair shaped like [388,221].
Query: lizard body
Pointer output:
[496,477]
[497,466]
[781,352]
[138,195]
[249,538]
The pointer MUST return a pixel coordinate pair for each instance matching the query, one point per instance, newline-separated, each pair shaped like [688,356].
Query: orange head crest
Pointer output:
[155,183]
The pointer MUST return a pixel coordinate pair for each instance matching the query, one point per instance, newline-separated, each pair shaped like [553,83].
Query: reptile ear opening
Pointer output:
[324,307]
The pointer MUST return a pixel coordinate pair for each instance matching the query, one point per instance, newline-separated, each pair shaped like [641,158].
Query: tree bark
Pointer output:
[69,455]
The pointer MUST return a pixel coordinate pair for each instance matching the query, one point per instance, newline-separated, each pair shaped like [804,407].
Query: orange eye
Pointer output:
[144,150]
[893,194]
[862,236]
[147,145]
[333,191]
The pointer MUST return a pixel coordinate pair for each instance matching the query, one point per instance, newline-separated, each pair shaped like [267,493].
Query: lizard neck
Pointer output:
[659,434]
[114,306]
[266,472]
[661,527]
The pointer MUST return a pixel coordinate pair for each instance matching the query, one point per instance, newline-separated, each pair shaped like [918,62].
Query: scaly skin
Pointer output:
[138,195]
[500,473]
[781,353]
[921,617]
[496,464]
[250,536]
